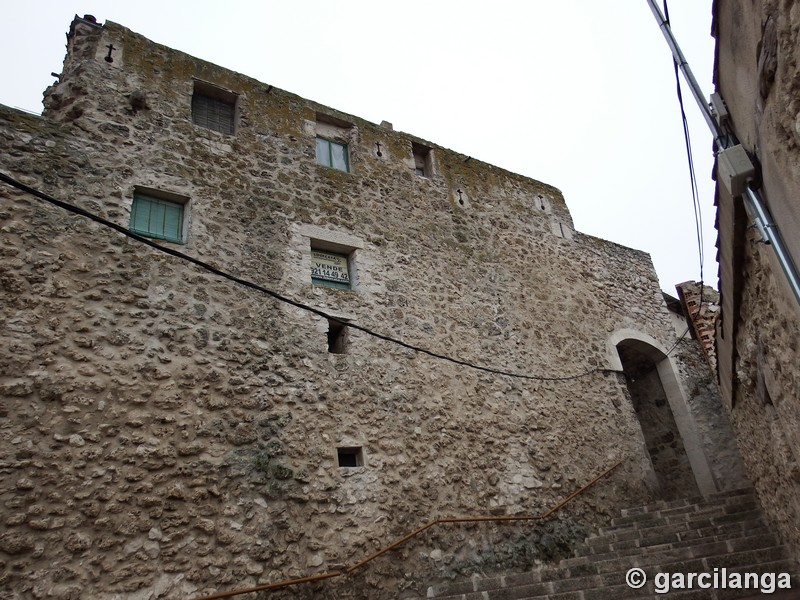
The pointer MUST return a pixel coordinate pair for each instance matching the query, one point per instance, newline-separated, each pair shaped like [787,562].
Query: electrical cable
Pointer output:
[675,345]
[698,217]
[249,284]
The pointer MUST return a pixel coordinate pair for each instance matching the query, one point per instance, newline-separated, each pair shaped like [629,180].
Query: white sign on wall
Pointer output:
[329,267]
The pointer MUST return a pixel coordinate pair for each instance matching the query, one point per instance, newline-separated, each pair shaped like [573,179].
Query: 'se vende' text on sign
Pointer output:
[329,267]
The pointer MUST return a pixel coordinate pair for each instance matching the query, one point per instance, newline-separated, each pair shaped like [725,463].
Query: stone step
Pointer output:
[717,553]
[732,530]
[711,500]
[760,538]
[731,514]
[721,499]
[682,531]
[683,513]
[649,591]
[776,566]
[676,539]
[612,585]
[695,535]
[612,572]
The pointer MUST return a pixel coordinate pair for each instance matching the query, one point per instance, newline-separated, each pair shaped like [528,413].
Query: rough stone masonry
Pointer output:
[167,433]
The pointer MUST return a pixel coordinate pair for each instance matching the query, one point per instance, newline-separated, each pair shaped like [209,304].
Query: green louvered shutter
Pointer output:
[157,218]
[212,113]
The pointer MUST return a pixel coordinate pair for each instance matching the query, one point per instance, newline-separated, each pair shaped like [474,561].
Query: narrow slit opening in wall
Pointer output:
[337,337]
[350,457]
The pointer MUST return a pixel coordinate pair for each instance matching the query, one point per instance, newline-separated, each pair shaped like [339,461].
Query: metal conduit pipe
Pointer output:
[772,237]
[687,73]
[756,208]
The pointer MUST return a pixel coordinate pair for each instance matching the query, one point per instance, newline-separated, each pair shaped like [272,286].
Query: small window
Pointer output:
[350,457]
[213,108]
[330,269]
[332,154]
[332,138]
[422,160]
[157,218]
[337,336]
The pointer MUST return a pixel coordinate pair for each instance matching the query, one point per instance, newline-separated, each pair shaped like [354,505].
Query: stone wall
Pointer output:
[168,433]
[758,76]
[711,419]
[695,345]
[766,413]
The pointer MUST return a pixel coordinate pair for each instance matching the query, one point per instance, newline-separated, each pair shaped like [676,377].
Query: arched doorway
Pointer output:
[680,467]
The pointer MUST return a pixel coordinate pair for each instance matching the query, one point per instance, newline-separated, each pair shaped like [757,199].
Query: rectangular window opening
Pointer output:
[157,218]
[330,268]
[422,160]
[350,457]
[332,154]
[214,108]
[332,149]
[337,337]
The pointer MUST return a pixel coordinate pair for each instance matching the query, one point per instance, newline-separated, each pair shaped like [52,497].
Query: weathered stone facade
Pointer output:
[168,433]
[693,354]
[758,76]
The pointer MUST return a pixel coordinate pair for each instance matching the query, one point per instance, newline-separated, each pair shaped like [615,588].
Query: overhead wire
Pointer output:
[698,216]
[281,298]
[678,341]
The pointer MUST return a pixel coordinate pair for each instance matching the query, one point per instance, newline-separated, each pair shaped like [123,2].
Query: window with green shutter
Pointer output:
[157,218]
[212,114]
[214,107]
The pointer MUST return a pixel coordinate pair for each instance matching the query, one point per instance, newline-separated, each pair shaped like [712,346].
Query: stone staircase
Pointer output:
[724,531]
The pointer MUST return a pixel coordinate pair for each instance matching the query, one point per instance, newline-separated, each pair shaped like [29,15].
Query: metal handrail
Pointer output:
[347,570]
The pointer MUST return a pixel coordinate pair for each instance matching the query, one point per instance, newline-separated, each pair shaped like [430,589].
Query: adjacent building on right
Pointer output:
[757,74]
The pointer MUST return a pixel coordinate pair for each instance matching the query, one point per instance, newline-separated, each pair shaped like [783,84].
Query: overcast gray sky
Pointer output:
[579,94]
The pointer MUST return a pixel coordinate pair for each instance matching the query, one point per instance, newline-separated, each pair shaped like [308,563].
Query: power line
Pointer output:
[678,341]
[698,217]
[723,142]
[249,284]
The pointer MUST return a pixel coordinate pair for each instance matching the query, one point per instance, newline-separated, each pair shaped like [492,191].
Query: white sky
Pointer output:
[579,94]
